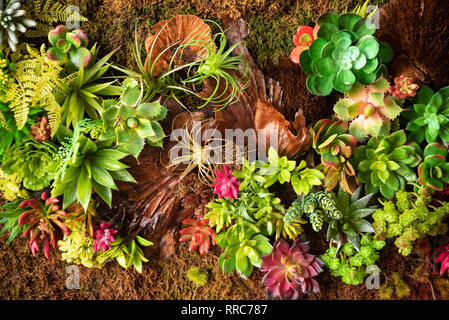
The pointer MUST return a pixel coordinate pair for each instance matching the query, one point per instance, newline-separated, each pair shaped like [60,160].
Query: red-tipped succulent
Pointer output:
[303,38]
[290,270]
[226,185]
[199,234]
[42,221]
[443,258]
[404,87]
[103,235]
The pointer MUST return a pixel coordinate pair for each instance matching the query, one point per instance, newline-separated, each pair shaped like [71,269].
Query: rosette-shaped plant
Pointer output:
[429,118]
[368,109]
[404,87]
[434,170]
[302,40]
[443,258]
[41,131]
[104,236]
[69,46]
[12,20]
[386,164]
[43,221]
[344,53]
[33,162]
[332,141]
[199,234]
[290,270]
[226,185]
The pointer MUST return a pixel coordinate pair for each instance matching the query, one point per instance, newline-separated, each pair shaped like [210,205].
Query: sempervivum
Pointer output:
[290,270]
[226,185]
[199,234]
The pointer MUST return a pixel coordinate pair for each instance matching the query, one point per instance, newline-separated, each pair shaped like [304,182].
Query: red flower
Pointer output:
[404,87]
[443,257]
[199,234]
[290,270]
[303,38]
[226,185]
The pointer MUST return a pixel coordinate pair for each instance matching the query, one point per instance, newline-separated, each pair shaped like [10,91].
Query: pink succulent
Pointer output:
[290,270]
[103,235]
[302,40]
[443,257]
[199,234]
[226,185]
[404,87]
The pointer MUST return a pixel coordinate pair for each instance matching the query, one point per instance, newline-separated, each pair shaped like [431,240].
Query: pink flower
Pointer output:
[226,185]
[104,235]
[443,257]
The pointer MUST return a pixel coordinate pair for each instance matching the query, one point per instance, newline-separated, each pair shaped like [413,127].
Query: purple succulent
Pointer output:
[226,185]
[290,270]
[103,235]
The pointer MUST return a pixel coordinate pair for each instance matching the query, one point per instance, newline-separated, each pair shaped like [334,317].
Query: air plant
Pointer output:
[443,258]
[386,164]
[404,87]
[11,21]
[290,270]
[332,141]
[199,234]
[226,185]
[368,109]
[43,221]
[434,170]
[302,40]
[429,118]
[104,236]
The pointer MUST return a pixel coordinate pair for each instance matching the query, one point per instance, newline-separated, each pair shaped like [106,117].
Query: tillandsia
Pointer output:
[302,40]
[131,123]
[69,46]
[409,217]
[9,216]
[352,265]
[354,209]
[44,220]
[344,53]
[290,270]
[12,20]
[226,185]
[332,141]
[404,87]
[318,207]
[368,109]
[386,164]
[33,162]
[199,234]
[443,258]
[429,118]
[104,236]
[434,170]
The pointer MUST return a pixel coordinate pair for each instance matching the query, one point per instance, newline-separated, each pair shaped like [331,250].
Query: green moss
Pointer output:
[198,276]
[396,287]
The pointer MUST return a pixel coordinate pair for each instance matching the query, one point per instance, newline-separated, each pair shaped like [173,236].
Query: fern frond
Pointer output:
[53,112]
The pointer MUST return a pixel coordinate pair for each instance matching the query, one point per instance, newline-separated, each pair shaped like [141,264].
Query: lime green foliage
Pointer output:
[5,73]
[128,253]
[11,187]
[198,276]
[77,214]
[79,249]
[83,93]
[386,164]
[408,218]
[318,207]
[344,53]
[350,264]
[429,117]
[434,171]
[132,123]
[354,209]
[33,162]
[395,286]
[9,216]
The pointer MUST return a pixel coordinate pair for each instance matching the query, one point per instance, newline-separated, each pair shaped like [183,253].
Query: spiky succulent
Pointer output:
[344,53]
[332,141]
[290,270]
[318,207]
[368,109]
[386,164]
[434,170]
[226,185]
[199,234]
[429,118]
[12,20]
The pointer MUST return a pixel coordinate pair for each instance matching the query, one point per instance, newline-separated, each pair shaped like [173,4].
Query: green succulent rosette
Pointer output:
[434,170]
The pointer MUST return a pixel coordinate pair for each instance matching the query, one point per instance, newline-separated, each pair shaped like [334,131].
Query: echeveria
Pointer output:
[302,40]
[434,171]
[199,234]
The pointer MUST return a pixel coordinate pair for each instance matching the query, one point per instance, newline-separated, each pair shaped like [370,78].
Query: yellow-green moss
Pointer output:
[394,287]
[198,276]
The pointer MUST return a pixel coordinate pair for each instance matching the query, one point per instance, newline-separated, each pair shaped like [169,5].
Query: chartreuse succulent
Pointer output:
[429,118]
[409,217]
[33,162]
[12,21]
[332,141]
[434,170]
[354,209]
[386,164]
[94,166]
[368,109]
[132,123]
[344,53]
[11,187]
[352,265]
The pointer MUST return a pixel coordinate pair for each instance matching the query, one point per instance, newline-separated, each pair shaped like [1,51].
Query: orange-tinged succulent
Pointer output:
[199,234]
[303,38]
